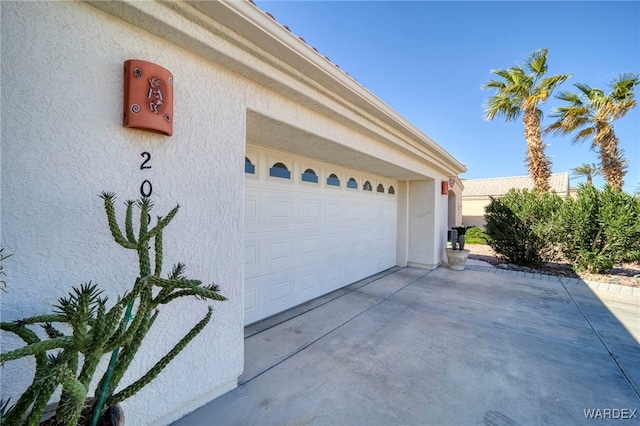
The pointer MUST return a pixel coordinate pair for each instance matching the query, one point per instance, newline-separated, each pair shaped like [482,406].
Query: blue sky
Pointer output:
[428,60]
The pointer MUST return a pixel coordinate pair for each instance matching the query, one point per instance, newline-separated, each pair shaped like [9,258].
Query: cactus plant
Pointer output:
[98,331]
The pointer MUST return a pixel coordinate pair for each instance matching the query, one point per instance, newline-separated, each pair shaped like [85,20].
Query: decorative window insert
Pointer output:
[249,167]
[367,186]
[333,180]
[380,188]
[310,175]
[391,191]
[279,170]
[352,183]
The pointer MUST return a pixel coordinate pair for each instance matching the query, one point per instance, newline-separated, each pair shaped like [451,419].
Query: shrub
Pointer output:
[520,226]
[599,229]
[476,236]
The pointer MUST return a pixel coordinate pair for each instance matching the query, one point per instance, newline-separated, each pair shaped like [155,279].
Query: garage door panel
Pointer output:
[280,291]
[310,246]
[279,211]
[310,210]
[280,251]
[334,278]
[251,210]
[333,211]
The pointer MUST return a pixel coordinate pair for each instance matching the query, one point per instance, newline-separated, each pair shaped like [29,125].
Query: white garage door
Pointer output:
[311,228]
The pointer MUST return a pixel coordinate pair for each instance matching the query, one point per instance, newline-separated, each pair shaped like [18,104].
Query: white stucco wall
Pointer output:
[63,143]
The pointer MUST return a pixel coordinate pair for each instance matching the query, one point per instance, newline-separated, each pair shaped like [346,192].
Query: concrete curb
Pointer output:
[593,285]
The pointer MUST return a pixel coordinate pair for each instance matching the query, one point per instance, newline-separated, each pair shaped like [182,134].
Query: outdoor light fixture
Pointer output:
[444,187]
[148,97]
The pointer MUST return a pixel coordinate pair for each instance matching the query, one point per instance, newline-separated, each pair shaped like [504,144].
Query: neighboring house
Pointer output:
[293,179]
[475,196]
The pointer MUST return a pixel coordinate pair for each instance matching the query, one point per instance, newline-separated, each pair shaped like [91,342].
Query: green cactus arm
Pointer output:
[179,283]
[162,223]
[143,260]
[177,272]
[50,318]
[89,366]
[128,223]
[110,210]
[114,320]
[129,351]
[51,331]
[70,408]
[141,315]
[44,392]
[99,331]
[158,250]
[36,348]
[19,329]
[19,410]
[160,365]
[145,207]
[186,288]
[204,294]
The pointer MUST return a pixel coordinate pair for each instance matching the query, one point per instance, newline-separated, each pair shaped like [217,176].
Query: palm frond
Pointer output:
[623,86]
[537,61]
[584,134]
[584,88]
[570,97]
[550,83]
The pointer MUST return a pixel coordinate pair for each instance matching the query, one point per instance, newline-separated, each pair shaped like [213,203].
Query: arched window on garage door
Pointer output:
[310,175]
[352,183]
[391,191]
[279,170]
[249,167]
[367,186]
[333,180]
[380,188]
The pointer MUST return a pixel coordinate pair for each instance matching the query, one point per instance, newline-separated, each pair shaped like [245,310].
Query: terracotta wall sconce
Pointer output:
[444,187]
[148,97]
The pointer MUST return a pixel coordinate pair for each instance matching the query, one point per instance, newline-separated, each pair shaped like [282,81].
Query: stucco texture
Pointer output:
[63,143]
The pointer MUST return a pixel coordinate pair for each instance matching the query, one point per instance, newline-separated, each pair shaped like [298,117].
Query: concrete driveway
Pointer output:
[442,347]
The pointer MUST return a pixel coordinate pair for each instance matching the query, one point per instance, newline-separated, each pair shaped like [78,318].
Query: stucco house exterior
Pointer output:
[476,193]
[293,179]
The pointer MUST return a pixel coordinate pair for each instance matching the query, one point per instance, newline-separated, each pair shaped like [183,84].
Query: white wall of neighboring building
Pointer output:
[63,143]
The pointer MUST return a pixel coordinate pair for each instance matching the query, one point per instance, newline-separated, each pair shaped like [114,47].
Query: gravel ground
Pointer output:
[628,274]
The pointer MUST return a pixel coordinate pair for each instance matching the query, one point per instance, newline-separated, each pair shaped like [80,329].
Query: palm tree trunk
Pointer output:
[538,163]
[611,160]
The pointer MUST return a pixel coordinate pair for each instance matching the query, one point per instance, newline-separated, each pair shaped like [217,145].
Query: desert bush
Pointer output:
[599,229]
[476,235]
[520,226]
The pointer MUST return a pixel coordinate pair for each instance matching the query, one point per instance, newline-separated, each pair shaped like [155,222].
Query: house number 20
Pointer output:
[146,188]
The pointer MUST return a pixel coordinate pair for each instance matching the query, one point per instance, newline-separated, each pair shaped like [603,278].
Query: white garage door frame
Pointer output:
[306,239]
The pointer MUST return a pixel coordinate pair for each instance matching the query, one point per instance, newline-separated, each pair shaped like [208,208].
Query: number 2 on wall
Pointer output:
[147,157]
[146,188]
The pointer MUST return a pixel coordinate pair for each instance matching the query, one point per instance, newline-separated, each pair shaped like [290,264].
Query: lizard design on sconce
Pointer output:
[155,94]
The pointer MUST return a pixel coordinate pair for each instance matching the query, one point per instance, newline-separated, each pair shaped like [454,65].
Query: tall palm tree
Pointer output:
[519,93]
[591,113]
[587,170]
